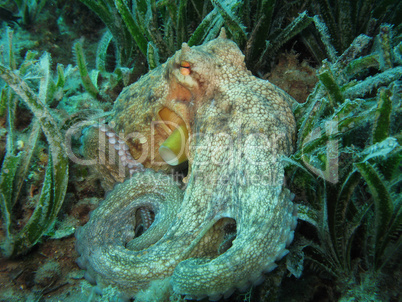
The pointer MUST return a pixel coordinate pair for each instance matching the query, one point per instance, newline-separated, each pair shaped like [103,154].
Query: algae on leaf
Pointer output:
[89,85]
[56,178]
[361,207]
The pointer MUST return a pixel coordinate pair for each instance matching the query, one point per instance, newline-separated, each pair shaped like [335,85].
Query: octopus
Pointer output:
[224,225]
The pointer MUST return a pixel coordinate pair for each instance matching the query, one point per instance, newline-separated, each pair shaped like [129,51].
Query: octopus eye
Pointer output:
[185,68]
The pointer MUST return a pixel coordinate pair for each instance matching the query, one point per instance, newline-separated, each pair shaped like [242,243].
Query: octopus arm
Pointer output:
[265,222]
[109,251]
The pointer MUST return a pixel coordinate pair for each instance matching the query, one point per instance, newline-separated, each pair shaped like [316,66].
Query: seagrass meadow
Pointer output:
[63,65]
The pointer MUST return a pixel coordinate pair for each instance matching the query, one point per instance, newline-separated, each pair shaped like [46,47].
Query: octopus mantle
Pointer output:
[234,218]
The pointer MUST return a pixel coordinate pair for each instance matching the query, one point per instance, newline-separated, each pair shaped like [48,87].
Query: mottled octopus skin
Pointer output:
[240,126]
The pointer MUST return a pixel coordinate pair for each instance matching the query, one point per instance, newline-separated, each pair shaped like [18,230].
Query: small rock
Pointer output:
[47,274]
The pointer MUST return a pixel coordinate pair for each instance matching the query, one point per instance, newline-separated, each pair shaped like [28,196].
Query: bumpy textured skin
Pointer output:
[240,127]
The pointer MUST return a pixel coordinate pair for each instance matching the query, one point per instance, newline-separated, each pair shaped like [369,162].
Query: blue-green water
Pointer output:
[64,64]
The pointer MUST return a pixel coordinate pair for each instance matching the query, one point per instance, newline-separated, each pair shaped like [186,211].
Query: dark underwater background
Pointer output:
[340,60]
